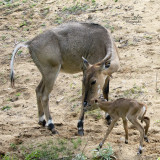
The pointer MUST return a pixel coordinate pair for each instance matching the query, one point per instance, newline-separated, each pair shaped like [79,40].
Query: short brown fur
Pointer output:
[127,109]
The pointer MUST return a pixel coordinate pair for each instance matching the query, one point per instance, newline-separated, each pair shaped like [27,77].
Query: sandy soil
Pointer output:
[136,30]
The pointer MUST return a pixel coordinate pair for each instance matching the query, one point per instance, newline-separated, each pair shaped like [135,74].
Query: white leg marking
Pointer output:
[80,128]
[106,114]
[140,147]
[142,111]
[41,118]
[144,108]
[50,121]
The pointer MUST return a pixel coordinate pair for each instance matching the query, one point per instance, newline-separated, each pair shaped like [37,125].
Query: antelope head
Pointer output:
[94,77]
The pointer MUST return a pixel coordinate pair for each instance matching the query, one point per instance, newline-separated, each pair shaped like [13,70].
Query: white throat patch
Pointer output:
[99,89]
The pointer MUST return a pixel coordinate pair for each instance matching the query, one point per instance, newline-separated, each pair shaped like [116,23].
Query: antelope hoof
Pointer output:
[81,132]
[146,139]
[42,123]
[126,141]
[54,131]
[51,127]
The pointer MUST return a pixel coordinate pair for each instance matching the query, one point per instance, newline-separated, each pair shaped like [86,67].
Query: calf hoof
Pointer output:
[81,132]
[98,148]
[100,145]
[126,141]
[42,123]
[146,139]
[139,151]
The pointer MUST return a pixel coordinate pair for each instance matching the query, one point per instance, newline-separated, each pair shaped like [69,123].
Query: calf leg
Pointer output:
[108,118]
[147,121]
[134,121]
[125,125]
[110,127]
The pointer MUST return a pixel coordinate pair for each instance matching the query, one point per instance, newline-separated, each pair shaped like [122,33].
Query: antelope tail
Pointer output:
[18,46]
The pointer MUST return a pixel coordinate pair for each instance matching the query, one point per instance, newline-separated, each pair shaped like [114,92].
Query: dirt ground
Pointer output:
[135,26]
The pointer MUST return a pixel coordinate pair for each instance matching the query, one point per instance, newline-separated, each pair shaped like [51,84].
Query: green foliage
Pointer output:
[58,20]
[53,150]
[135,91]
[24,1]
[76,143]
[57,149]
[7,0]
[95,113]
[108,26]
[19,52]
[37,155]
[5,108]
[18,94]
[32,5]
[44,11]
[3,38]
[9,157]
[9,4]
[43,24]
[75,8]
[157,121]
[13,146]
[48,151]
[80,157]
[93,2]
[24,23]
[148,37]
[103,154]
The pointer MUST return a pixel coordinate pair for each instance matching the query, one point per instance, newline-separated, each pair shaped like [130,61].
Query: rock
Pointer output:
[59,100]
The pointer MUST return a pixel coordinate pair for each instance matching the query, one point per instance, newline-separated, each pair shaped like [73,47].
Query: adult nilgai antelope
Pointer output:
[62,48]
[127,109]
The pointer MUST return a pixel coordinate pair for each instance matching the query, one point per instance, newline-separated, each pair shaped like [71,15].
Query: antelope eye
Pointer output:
[93,82]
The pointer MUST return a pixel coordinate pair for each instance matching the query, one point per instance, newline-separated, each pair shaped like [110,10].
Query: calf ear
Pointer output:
[85,63]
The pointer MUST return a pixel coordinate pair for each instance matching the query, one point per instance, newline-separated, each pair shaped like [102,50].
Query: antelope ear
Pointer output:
[85,63]
[104,66]
[105,63]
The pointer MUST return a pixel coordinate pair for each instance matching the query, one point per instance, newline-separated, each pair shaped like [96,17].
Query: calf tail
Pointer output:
[18,46]
[145,109]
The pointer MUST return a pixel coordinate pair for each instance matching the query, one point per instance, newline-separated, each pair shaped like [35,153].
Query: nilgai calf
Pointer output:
[127,109]
[61,49]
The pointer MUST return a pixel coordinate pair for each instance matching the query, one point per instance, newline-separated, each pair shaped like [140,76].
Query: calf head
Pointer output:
[93,81]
